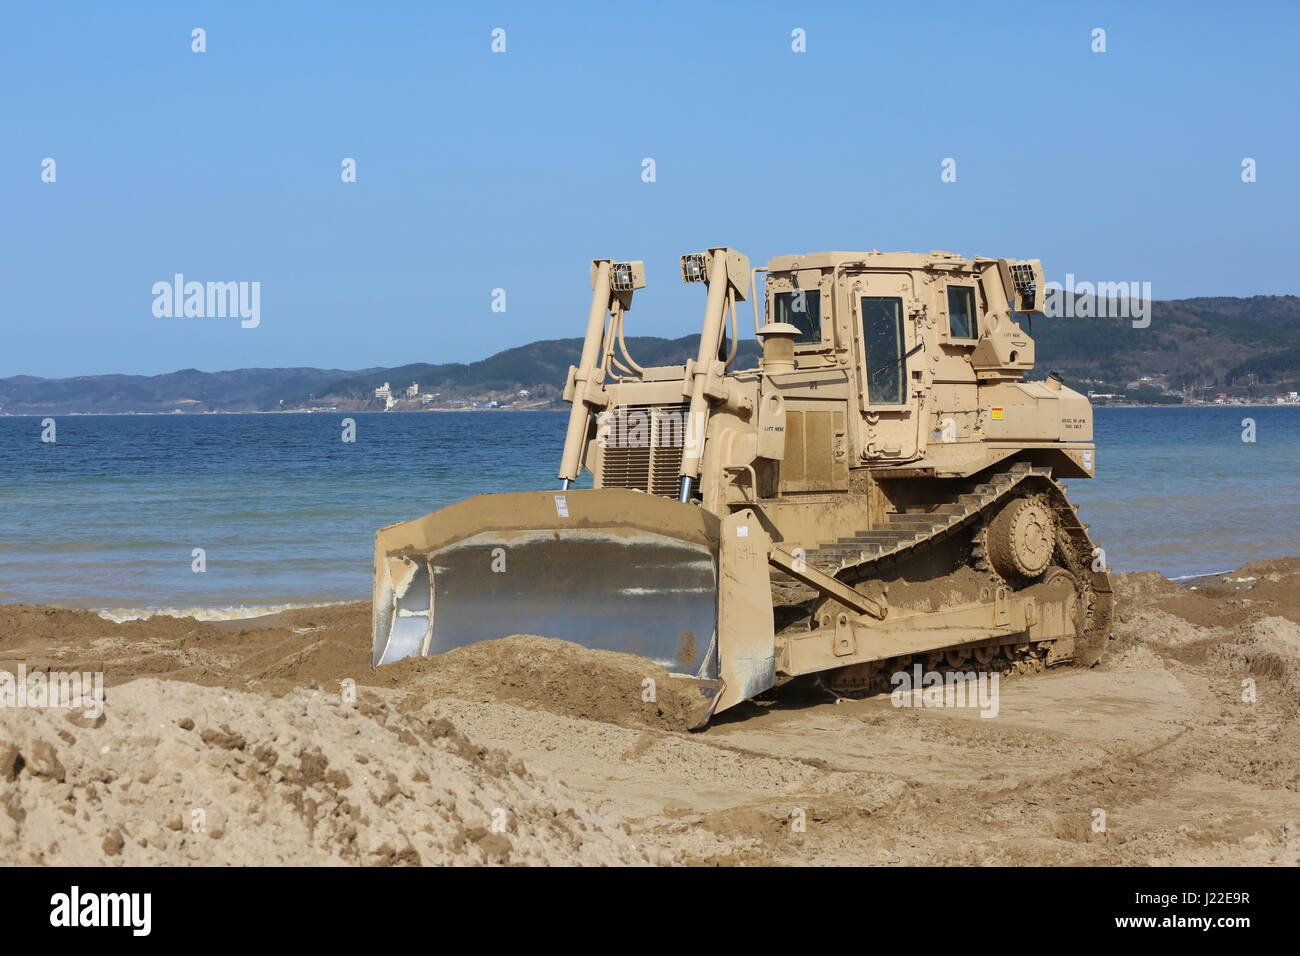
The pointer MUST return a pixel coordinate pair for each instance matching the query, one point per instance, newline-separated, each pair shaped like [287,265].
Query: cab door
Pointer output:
[881,306]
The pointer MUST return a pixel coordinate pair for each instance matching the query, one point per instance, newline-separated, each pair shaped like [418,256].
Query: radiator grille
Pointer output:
[642,447]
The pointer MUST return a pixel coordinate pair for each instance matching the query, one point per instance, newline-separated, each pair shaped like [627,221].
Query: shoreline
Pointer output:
[295,411]
[557,408]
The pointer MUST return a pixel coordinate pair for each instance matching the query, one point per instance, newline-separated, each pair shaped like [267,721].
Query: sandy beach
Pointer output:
[244,742]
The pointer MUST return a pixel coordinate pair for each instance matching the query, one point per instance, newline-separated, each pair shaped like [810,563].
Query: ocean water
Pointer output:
[1178,490]
[285,511]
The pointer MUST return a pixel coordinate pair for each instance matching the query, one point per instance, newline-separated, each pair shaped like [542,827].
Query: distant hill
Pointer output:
[247,389]
[1220,343]
[540,367]
[1237,345]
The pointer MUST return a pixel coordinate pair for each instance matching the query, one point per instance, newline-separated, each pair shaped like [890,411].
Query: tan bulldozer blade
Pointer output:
[612,569]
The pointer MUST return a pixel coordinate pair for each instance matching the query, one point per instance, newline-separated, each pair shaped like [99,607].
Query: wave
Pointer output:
[119,615]
[1206,574]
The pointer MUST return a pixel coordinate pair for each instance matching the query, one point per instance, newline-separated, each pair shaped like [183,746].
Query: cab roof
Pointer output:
[873,259]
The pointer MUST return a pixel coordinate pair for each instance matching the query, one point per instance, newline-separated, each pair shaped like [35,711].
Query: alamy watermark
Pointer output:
[209,300]
[1099,300]
[650,428]
[128,910]
[922,688]
[67,690]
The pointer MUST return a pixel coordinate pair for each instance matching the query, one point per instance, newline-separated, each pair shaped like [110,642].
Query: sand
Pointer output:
[305,778]
[272,740]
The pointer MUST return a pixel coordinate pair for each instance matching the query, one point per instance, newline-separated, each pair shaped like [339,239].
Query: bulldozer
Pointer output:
[883,490]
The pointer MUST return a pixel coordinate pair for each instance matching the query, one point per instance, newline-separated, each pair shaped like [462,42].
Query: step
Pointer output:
[907,521]
[881,537]
[853,543]
[918,522]
[838,554]
[835,554]
[869,550]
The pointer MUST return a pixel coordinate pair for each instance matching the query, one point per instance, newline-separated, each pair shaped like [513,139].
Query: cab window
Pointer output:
[961,312]
[882,331]
[802,308]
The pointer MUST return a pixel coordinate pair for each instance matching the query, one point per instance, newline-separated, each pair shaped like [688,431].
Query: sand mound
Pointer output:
[1134,657]
[547,674]
[175,774]
[1152,626]
[321,647]
[1204,607]
[1142,587]
[1268,647]
[276,653]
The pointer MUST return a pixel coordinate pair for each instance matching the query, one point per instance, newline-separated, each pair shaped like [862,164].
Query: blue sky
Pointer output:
[478,171]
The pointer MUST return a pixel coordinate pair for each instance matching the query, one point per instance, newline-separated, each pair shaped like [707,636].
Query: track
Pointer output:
[945,543]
